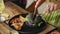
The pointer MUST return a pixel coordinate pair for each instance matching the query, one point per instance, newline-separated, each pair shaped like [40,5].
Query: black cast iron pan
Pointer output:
[29,30]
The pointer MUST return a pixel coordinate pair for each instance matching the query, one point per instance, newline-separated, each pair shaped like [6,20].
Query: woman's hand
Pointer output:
[38,3]
[51,6]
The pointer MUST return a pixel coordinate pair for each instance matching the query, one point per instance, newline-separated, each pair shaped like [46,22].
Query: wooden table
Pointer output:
[13,10]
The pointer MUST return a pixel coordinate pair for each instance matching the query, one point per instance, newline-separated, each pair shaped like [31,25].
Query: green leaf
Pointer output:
[39,24]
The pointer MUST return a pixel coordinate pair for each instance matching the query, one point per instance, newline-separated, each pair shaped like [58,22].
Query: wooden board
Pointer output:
[12,9]
[49,28]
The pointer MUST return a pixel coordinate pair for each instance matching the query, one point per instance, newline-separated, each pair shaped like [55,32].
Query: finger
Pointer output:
[37,3]
[52,7]
[55,6]
[46,10]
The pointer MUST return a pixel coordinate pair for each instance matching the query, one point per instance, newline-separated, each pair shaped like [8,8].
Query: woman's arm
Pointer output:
[38,3]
